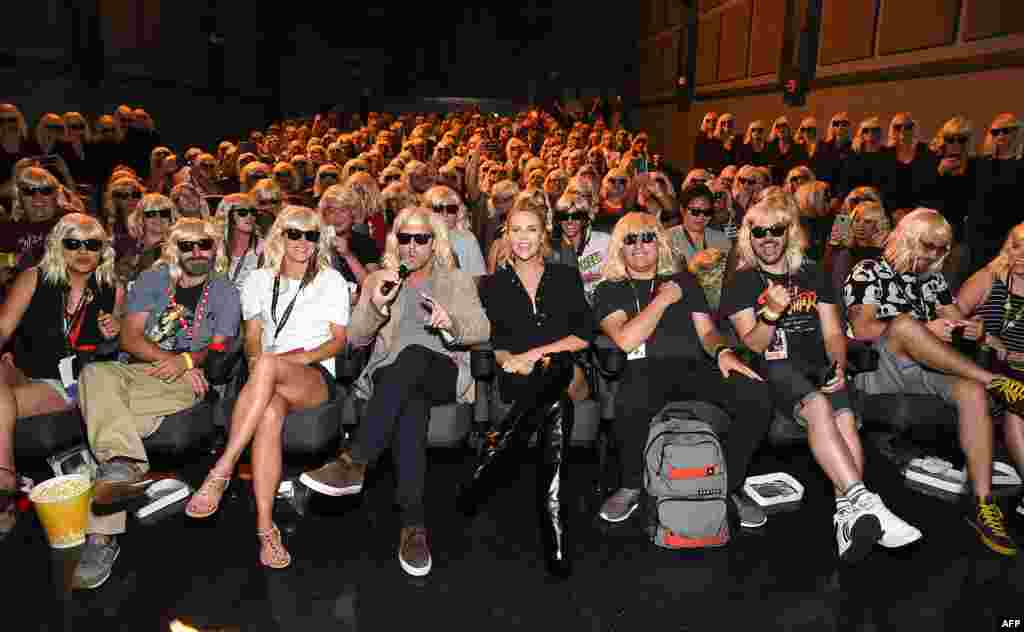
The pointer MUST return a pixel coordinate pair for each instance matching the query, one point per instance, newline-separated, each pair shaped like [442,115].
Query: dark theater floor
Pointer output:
[487,574]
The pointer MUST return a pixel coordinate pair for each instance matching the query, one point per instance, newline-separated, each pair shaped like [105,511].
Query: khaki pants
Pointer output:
[122,406]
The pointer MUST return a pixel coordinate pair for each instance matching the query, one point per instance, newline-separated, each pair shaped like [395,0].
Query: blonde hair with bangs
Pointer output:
[53,265]
[904,243]
[419,215]
[614,268]
[1016,147]
[192,228]
[301,218]
[776,208]
[1000,266]
[505,254]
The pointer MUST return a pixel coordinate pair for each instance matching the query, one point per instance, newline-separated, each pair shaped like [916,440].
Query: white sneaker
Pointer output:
[896,532]
[856,533]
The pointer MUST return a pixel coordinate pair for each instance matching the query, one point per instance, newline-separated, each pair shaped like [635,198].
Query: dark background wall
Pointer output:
[935,58]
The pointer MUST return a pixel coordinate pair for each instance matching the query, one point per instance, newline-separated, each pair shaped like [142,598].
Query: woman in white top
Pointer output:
[445,202]
[295,309]
[237,213]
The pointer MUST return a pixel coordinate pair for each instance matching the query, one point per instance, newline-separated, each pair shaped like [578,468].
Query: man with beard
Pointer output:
[173,314]
[902,304]
[783,307]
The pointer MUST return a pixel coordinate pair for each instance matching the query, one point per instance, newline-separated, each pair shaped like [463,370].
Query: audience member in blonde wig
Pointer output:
[903,246]
[192,229]
[777,207]
[1013,147]
[301,218]
[77,226]
[426,217]
[614,268]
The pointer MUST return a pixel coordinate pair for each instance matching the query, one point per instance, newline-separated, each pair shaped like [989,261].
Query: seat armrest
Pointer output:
[861,357]
[220,365]
[349,364]
[611,360]
[481,362]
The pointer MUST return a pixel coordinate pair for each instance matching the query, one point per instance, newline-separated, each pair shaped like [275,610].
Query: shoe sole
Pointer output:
[863,535]
[412,570]
[1002,550]
[1020,510]
[914,536]
[754,525]
[110,571]
[327,490]
[114,493]
[625,516]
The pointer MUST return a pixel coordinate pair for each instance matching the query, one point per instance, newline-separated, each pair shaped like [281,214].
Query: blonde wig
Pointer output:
[707,124]
[903,246]
[151,202]
[318,186]
[157,157]
[442,247]
[1000,266]
[865,207]
[860,192]
[76,117]
[540,213]
[122,183]
[395,197]
[190,228]
[1004,120]
[812,198]
[955,125]
[368,193]
[801,171]
[614,267]
[723,133]
[301,218]
[748,138]
[34,177]
[858,138]
[697,176]
[41,133]
[830,135]
[807,138]
[267,189]
[22,126]
[246,173]
[504,189]
[187,189]
[78,226]
[774,134]
[776,208]
[286,171]
[894,138]
[352,166]
[748,172]
[224,217]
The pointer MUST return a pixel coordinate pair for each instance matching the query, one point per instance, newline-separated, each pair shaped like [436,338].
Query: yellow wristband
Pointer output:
[188,361]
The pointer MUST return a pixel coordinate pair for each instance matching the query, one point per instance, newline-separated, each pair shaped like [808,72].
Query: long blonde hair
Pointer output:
[871,121]
[904,242]
[443,256]
[53,265]
[1000,266]
[1009,120]
[505,254]
[777,208]
[956,125]
[194,228]
[614,268]
[301,218]
[893,138]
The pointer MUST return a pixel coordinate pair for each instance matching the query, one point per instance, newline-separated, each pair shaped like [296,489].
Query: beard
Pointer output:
[196,267]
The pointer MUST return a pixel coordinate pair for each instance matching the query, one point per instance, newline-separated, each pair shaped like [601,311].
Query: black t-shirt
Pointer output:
[675,335]
[798,334]
[366,252]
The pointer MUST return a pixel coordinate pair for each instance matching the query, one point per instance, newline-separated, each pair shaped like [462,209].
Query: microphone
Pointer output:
[387,286]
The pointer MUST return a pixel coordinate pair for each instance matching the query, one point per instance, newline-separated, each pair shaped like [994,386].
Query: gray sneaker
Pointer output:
[119,480]
[620,505]
[96,564]
[750,513]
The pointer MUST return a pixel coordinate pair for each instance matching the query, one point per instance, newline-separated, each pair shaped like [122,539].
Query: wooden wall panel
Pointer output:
[656,17]
[987,18]
[643,17]
[670,61]
[907,26]
[675,13]
[766,36]
[708,32]
[707,5]
[735,42]
[847,30]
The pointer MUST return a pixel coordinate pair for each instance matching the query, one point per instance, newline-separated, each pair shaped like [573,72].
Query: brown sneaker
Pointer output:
[413,552]
[119,480]
[340,477]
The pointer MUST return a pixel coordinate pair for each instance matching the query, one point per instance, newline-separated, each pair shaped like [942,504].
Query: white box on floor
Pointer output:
[777,488]
[940,474]
[163,493]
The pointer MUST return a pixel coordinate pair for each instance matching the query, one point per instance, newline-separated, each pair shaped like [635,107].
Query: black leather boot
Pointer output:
[552,487]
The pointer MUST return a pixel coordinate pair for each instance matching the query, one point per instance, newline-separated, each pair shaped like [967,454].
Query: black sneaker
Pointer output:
[988,521]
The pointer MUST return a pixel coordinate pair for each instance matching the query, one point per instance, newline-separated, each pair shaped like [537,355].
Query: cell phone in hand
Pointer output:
[829,375]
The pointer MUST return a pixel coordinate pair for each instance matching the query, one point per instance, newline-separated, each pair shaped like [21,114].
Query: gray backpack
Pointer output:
[685,478]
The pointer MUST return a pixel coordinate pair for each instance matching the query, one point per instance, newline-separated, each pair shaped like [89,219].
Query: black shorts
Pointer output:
[793,383]
[332,384]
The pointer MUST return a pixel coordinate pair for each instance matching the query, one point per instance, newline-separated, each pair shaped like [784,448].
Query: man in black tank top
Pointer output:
[174,314]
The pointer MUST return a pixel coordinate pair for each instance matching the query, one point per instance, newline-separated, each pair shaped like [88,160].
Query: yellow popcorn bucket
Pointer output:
[62,504]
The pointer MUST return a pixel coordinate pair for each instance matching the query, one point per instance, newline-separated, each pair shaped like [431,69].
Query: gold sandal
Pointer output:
[278,557]
[212,488]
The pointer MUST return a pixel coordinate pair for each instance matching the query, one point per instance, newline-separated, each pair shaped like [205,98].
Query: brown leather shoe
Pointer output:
[413,552]
[119,480]
[340,477]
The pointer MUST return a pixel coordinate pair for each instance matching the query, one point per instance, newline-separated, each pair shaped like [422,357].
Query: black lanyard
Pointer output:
[636,296]
[287,310]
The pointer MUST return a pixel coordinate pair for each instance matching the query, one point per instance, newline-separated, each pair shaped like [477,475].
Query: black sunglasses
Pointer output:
[855,201]
[1002,131]
[76,127]
[874,131]
[164,213]
[697,212]
[7,120]
[29,191]
[188,246]
[808,129]
[124,195]
[840,123]
[92,245]
[451,209]
[776,230]
[390,179]
[956,139]
[357,169]
[294,234]
[899,127]
[257,176]
[647,237]
[55,128]
[421,238]
[576,216]
[328,175]
[748,181]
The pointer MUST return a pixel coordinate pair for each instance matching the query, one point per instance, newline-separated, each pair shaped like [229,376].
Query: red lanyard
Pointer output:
[73,326]
[199,314]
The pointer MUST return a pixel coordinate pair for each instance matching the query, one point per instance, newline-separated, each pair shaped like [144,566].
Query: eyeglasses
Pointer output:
[124,195]
[873,131]
[575,216]
[421,238]
[450,209]
[163,213]
[900,127]
[77,127]
[29,191]
[294,234]
[840,123]
[92,245]
[698,211]
[392,178]
[188,246]
[244,212]
[1002,131]
[956,139]
[328,176]
[776,230]
[648,237]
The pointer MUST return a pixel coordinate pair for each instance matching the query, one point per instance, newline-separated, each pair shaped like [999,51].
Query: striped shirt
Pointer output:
[1008,324]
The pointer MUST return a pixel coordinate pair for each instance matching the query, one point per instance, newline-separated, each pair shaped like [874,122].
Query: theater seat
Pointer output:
[183,431]
[314,431]
[40,436]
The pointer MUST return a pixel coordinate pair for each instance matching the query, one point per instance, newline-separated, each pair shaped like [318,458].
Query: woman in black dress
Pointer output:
[539,317]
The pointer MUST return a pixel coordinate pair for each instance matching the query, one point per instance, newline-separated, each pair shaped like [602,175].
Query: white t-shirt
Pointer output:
[321,303]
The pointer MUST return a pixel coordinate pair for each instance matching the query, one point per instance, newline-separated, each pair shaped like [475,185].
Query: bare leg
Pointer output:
[828,445]
[1014,432]
[847,425]
[908,338]
[266,461]
[975,433]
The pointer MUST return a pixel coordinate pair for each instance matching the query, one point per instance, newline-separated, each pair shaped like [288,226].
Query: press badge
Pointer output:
[779,348]
[66,367]
[639,353]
